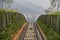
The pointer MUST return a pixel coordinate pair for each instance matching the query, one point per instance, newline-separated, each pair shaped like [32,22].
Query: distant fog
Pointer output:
[30,11]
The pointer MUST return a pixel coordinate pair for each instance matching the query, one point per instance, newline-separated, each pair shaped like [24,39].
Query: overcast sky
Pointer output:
[43,3]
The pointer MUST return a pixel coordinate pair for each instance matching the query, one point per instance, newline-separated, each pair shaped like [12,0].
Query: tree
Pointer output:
[6,3]
[55,5]
[2,3]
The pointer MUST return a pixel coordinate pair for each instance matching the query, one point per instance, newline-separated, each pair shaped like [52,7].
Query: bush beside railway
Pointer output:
[10,22]
[50,25]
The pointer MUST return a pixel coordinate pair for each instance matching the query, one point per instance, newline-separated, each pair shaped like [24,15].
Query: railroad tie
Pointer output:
[30,34]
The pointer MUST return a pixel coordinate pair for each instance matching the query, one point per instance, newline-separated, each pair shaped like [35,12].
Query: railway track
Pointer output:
[31,32]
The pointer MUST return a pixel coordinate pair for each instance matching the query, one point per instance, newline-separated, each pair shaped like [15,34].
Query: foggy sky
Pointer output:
[43,3]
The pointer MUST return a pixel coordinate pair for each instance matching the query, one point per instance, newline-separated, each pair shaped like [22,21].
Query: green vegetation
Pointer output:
[50,34]
[10,22]
[54,13]
[50,25]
